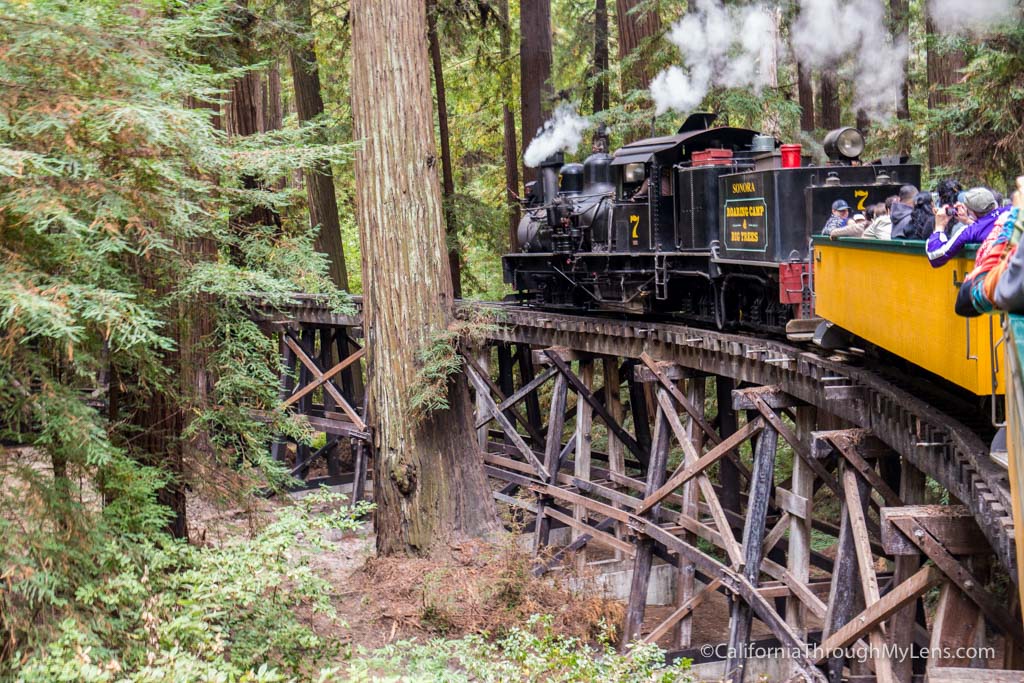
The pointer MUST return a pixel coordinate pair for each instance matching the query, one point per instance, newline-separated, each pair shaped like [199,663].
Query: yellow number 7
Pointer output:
[863,195]
[634,220]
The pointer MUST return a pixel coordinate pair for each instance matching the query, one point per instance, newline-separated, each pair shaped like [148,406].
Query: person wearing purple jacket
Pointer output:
[979,211]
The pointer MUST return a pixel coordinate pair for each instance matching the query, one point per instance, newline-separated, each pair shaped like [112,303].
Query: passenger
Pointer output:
[977,293]
[838,219]
[1009,288]
[881,227]
[922,218]
[948,190]
[901,211]
[854,228]
[979,211]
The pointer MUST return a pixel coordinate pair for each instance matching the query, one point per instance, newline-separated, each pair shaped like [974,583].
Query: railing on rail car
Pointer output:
[1014,328]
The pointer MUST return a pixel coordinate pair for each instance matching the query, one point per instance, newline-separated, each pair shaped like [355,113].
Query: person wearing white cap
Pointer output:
[979,210]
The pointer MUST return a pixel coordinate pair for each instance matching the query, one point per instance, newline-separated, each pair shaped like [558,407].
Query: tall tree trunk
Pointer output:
[635,27]
[600,55]
[159,419]
[429,482]
[829,94]
[273,114]
[899,22]
[448,181]
[805,94]
[309,104]
[509,138]
[943,71]
[534,67]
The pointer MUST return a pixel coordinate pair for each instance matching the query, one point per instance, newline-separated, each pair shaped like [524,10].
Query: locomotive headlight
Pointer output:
[633,173]
[844,144]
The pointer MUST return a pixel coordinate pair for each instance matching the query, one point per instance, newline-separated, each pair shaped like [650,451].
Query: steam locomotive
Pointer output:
[710,225]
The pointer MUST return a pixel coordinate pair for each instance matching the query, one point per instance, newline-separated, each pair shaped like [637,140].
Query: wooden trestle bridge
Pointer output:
[723,522]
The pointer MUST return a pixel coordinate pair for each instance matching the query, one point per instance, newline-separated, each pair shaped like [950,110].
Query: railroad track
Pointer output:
[936,443]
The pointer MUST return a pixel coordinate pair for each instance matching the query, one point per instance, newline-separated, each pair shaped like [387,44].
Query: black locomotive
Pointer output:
[708,225]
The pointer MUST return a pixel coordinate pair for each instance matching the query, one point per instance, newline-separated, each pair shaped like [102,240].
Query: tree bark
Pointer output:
[448,181]
[829,94]
[805,95]
[600,55]
[899,19]
[534,67]
[943,71]
[634,28]
[429,482]
[509,138]
[309,105]
[273,115]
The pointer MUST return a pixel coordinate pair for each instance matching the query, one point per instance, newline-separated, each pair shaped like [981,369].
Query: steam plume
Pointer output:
[956,16]
[563,131]
[731,47]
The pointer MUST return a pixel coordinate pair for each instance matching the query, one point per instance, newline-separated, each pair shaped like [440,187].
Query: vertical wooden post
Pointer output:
[483,359]
[798,561]
[638,406]
[682,633]
[307,340]
[506,381]
[279,449]
[912,492]
[728,473]
[845,597]
[556,423]
[581,465]
[532,400]
[761,486]
[613,401]
[644,558]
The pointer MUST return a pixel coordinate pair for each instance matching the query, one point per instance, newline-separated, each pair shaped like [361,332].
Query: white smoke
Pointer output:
[731,47]
[563,131]
[853,36]
[976,16]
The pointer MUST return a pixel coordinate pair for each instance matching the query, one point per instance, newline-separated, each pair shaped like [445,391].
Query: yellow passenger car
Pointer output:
[887,293]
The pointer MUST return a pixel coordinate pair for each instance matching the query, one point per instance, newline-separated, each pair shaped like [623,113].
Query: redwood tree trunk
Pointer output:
[509,138]
[805,94]
[829,94]
[899,19]
[534,67]
[634,28]
[600,55]
[309,104]
[448,181]
[429,483]
[943,71]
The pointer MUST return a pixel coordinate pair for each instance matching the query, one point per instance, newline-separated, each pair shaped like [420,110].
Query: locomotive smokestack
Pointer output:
[548,176]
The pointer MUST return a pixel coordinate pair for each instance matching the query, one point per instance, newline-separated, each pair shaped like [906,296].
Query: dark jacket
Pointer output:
[900,220]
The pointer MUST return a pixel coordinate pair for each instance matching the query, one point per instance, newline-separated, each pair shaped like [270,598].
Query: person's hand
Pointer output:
[941,218]
[833,236]
[962,214]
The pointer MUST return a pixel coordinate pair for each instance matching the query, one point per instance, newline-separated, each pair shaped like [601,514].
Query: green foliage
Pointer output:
[987,108]
[171,612]
[531,653]
[128,251]
[439,360]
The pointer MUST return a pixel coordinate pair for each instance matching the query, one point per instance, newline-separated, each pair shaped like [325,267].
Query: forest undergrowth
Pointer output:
[269,594]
